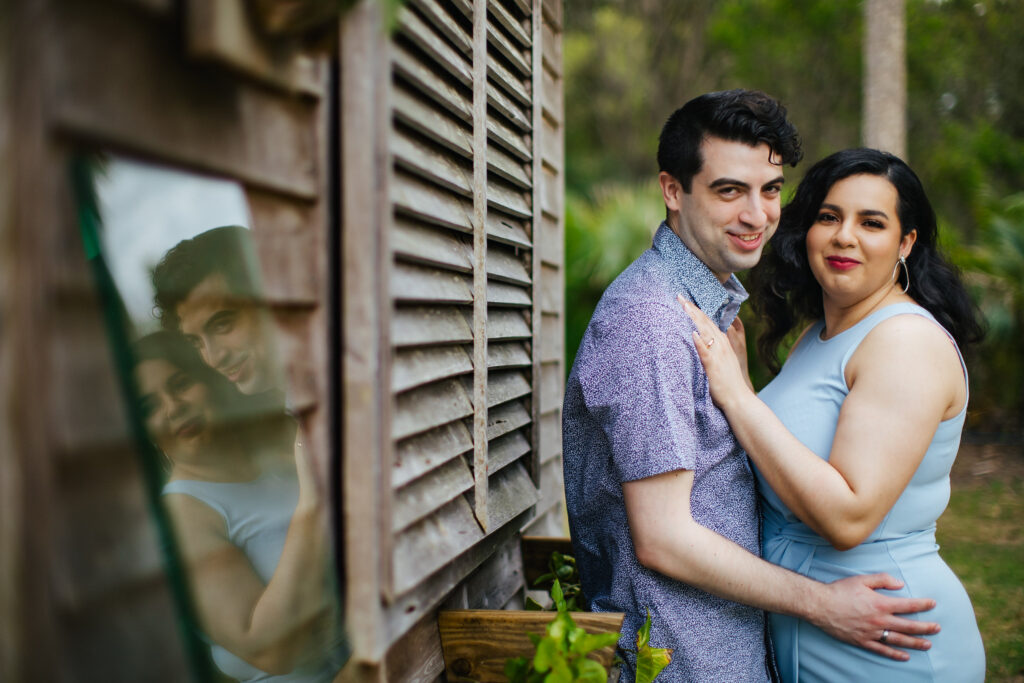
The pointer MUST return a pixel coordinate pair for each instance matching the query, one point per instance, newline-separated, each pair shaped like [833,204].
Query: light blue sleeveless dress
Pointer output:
[257,515]
[807,396]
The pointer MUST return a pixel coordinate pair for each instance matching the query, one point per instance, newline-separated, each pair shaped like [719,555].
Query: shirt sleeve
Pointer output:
[640,387]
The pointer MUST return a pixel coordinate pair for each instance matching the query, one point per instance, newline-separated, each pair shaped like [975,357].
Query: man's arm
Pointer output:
[849,609]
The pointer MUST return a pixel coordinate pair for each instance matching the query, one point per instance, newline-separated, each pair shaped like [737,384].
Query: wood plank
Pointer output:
[552,338]
[445,24]
[501,294]
[508,200]
[418,243]
[431,163]
[422,77]
[552,289]
[507,324]
[416,657]
[419,325]
[411,26]
[430,544]
[417,366]
[420,454]
[411,283]
[511,355]
[551,386]
[512,112]
[551,42]
[430,121]
[285,238]
[514,27]
[506,230]
[510,492]
[552,13]
[431,406]
[551,242]
[551,96]
[512,141]
[476,643]
[508,50]
[524,6]
[175,111]
[506,385]
[480,183]
[497,580]
[437,589]
[505,418]
[506,449]
[552,151]
[424,495]
[550,435]
[510,84]
[550,192]
[223,33]
[506,266]
[552,489]
[430,203]
[505,166]
[464,6]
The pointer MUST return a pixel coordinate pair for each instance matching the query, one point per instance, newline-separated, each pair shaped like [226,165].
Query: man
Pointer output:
[206,288]
[660,496]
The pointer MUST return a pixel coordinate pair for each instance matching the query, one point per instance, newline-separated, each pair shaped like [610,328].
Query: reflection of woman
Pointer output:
[854,439]
[247,517]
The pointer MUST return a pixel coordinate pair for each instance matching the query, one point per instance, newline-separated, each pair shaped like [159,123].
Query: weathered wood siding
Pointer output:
[85,596]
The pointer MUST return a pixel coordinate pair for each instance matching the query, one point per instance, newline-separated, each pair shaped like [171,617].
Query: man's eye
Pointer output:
[874,224]
[773,190]
[222,324]
[729,191]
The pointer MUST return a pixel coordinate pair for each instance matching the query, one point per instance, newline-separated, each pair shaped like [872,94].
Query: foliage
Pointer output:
[562,568]
[628,65]
[982,540]
[561,655]
[649,660]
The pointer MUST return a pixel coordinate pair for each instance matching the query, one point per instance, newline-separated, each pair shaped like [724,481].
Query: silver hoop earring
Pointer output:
[906,271]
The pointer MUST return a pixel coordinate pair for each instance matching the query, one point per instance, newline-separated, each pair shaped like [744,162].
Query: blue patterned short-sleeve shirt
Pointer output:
[637,405]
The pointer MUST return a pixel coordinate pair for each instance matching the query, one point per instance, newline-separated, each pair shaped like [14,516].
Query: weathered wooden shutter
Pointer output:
[460,315]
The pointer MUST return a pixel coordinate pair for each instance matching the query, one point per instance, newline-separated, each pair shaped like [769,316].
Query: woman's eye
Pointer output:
[874,224]
[826,218]
[180,382]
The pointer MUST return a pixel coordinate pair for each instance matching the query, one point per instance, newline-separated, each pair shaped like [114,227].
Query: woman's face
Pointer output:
[175,407]
[856,239]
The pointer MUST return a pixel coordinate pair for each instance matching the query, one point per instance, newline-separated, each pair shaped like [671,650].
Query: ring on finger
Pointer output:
[885,636]
[711,342]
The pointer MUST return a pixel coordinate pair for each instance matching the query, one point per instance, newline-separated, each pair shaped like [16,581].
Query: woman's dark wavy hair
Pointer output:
[785,292]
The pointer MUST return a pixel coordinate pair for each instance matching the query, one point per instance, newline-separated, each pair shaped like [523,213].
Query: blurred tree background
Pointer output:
[630,63]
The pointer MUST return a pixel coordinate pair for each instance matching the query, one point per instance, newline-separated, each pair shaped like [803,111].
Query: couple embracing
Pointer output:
[788,534]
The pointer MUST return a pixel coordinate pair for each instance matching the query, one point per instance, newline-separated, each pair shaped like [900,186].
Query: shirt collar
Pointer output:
[719,302]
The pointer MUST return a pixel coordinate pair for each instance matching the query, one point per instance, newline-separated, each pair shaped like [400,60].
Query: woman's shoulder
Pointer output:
[906,343]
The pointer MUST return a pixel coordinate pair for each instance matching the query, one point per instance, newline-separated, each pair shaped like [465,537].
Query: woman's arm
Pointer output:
[904,378]
[273,626]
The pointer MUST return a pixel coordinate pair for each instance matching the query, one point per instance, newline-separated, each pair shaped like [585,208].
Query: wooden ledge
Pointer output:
[476,643]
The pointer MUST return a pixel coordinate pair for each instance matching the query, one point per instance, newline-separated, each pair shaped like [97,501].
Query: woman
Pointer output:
[854,439]
[249,522]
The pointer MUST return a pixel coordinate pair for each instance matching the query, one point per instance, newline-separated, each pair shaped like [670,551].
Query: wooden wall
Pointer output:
[448,285]
[85,595]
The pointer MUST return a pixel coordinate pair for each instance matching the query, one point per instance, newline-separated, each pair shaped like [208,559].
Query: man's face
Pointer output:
[733,207]
[229,334]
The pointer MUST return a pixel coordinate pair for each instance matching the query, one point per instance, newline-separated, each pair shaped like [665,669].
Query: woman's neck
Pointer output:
[842,315]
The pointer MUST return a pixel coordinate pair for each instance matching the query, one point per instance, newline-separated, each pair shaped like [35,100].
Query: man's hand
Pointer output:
[856,613]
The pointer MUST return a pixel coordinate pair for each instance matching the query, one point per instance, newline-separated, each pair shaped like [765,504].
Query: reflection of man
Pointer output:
[660,497]
[206,288]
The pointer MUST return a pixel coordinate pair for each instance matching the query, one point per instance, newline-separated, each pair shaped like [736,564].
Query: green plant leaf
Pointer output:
[533,606]
[589,671]
[649,660]
[557,596]
[517,669]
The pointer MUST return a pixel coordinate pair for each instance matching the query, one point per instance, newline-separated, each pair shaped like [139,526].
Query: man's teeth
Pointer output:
[748,238]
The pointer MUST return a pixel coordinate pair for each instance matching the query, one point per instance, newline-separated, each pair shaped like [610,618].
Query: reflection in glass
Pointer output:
[249,523]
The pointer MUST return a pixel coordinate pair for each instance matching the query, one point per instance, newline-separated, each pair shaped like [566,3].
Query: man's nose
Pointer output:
[214,353]
[756,213]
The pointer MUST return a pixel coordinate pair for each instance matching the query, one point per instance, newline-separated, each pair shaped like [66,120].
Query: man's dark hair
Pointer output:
[747,116]
[226,250]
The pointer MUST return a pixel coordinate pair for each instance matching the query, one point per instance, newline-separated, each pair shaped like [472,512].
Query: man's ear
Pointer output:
[671,191]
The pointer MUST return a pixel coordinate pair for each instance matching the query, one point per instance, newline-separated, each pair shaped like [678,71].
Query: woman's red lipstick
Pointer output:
[841,262]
